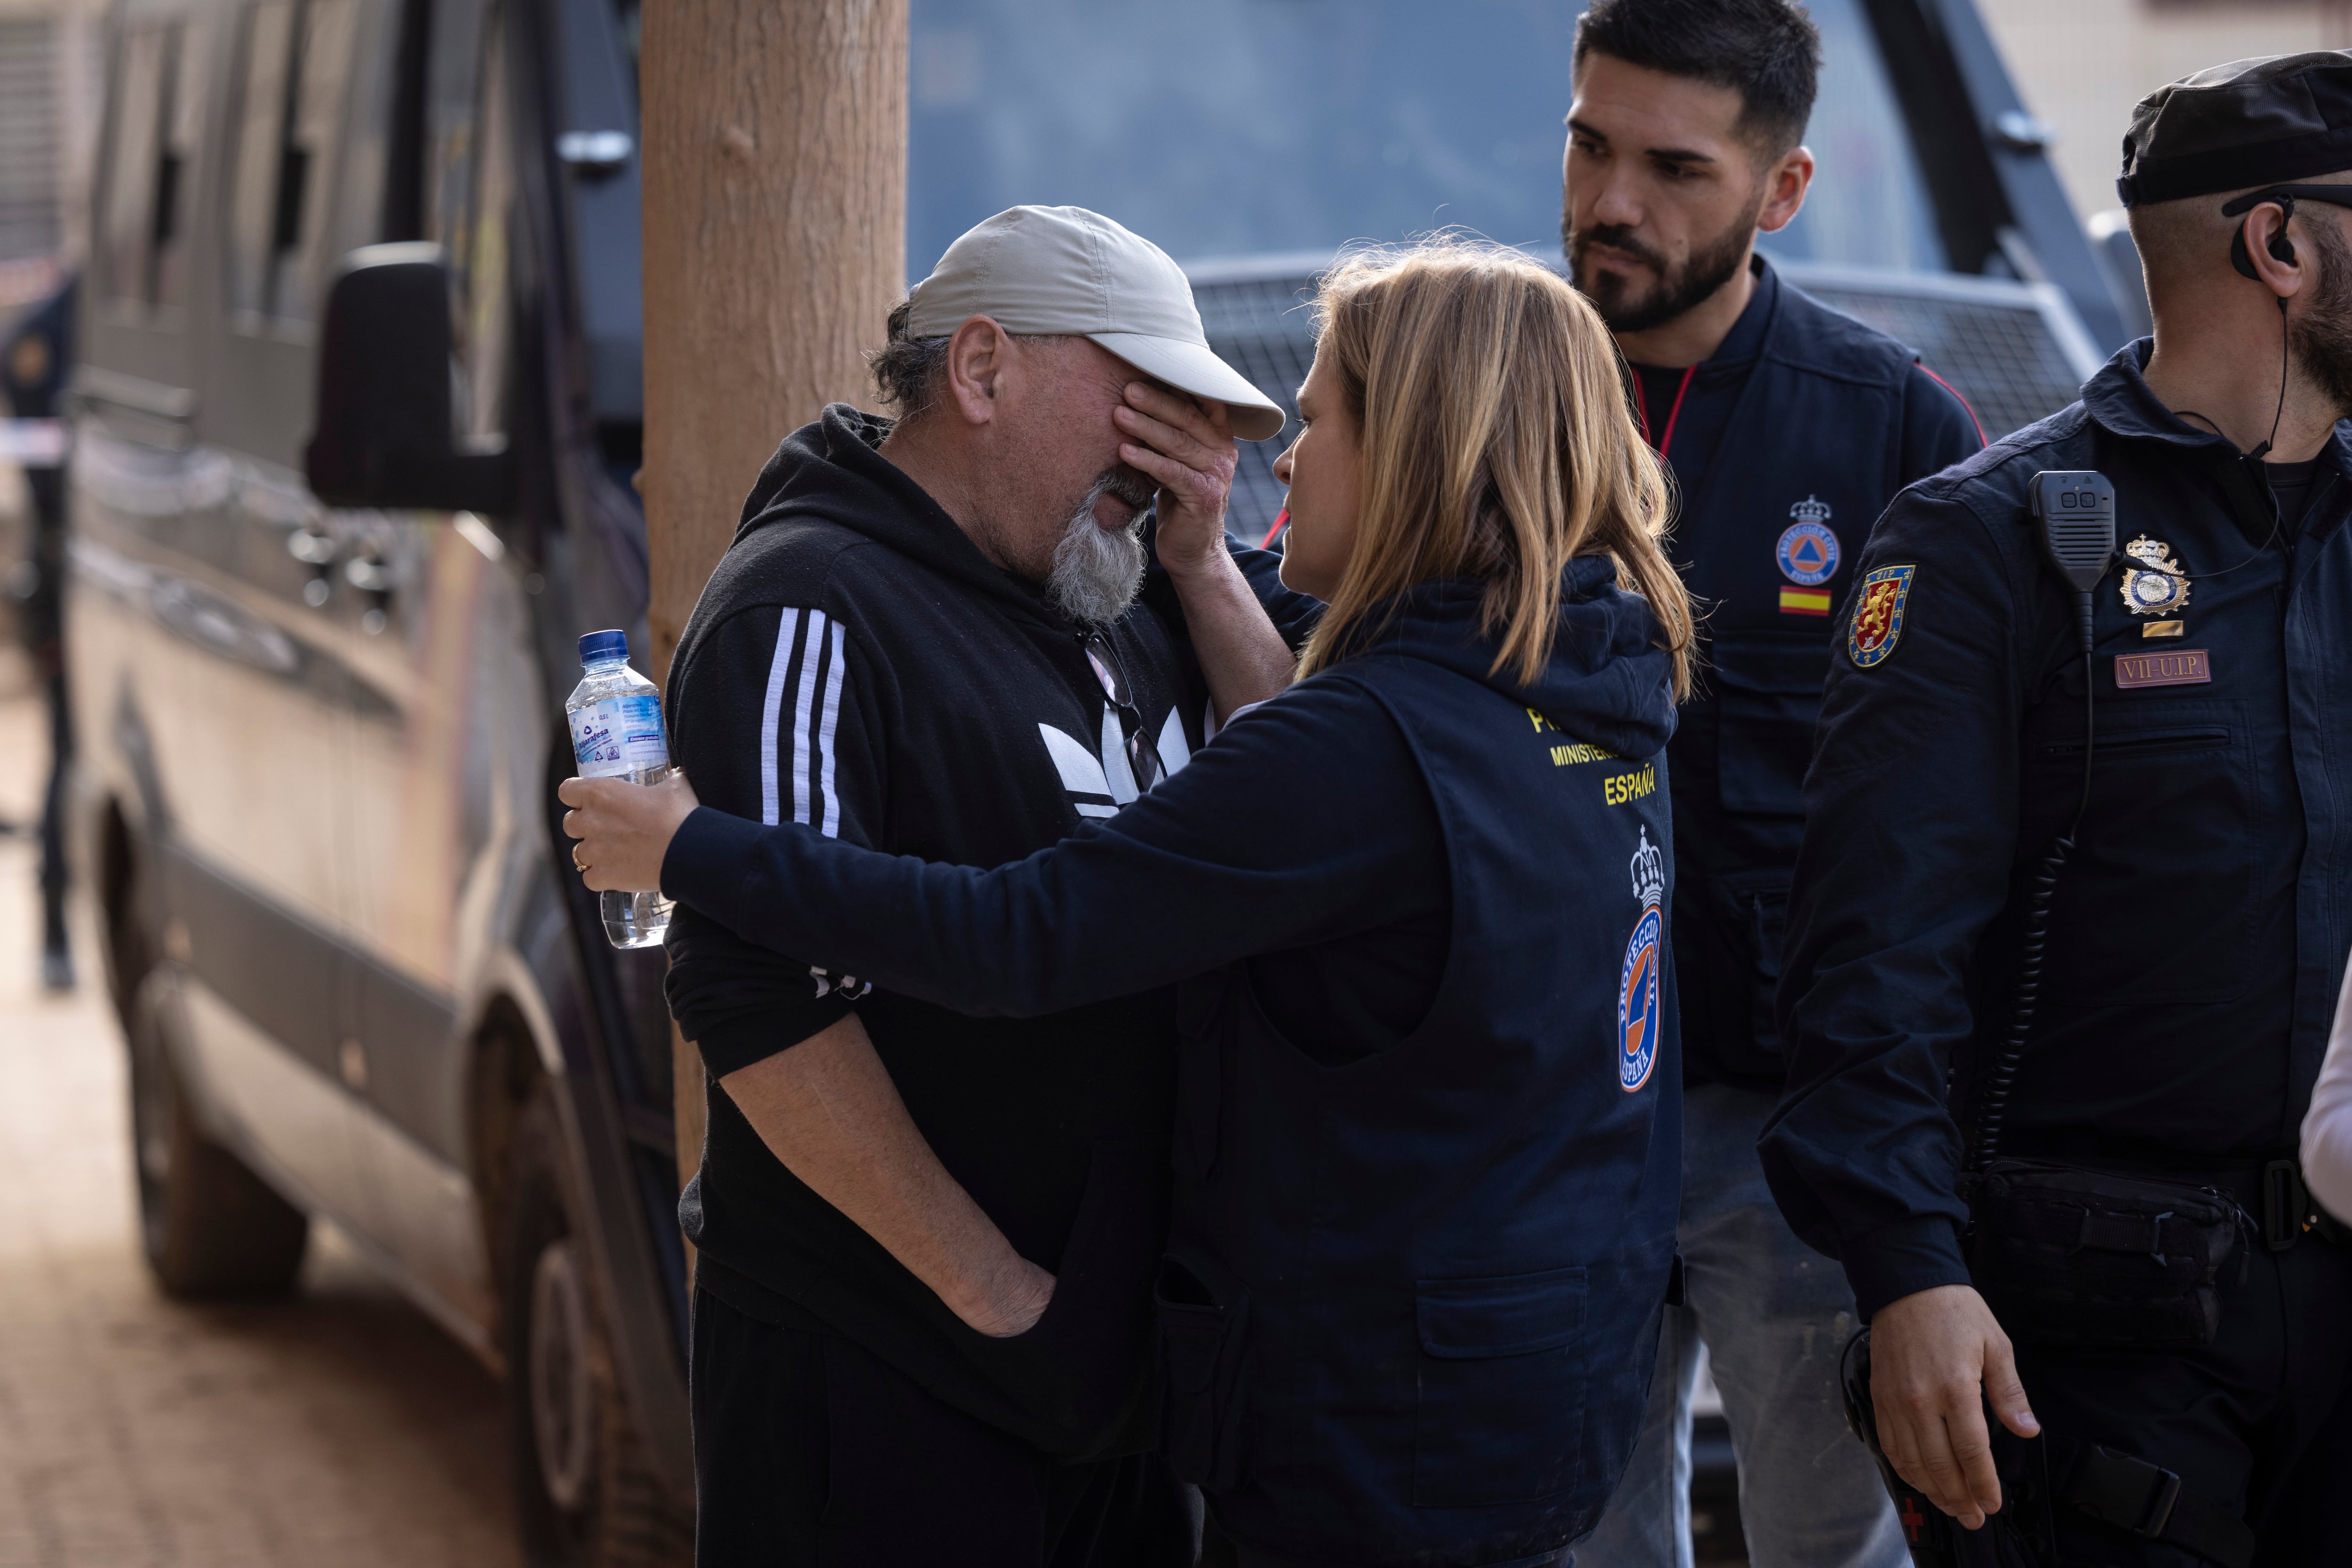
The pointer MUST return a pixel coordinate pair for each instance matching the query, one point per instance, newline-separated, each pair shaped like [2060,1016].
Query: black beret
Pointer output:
[2250,123]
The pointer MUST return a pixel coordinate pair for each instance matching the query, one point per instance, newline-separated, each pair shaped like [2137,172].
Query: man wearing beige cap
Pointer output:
[950,637]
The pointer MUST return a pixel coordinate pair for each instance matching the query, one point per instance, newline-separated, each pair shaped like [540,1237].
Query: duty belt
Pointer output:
[2274,1198]
[2145,1500]
[2289,1211]
[2278,1205]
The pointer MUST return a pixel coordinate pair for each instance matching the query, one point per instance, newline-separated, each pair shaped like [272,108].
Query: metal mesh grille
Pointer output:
[2002,358]
[1260,326]
[2001,354]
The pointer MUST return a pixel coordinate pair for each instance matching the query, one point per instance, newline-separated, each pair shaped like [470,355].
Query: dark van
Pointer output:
[357,409]
[319,741]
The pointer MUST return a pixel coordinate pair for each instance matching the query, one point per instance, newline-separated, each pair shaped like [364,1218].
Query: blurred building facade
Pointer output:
[51,78]
[2081,65]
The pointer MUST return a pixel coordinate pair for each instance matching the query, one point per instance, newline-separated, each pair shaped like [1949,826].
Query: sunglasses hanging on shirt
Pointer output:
[1142,757]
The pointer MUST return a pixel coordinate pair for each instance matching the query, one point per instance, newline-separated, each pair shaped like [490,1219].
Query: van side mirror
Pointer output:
[384,436]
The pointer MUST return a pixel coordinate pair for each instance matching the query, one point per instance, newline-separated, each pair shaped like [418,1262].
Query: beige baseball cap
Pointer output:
[1065,271]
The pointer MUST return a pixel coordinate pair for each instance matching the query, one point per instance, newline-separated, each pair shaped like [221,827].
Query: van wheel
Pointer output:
[208,1225]
[586,1486]
[129,950]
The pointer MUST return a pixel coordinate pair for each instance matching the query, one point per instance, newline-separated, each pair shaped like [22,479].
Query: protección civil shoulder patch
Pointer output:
[1641,1011]
[1879,601]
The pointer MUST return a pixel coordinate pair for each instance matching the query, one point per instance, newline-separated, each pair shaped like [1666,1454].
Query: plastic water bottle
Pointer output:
[616,733]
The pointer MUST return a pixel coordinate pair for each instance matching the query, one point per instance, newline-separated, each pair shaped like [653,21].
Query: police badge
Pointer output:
[2158,586]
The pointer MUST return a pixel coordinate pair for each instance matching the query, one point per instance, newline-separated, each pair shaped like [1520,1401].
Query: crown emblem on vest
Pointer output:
[2156,585]
[1649,872]
[1811,510]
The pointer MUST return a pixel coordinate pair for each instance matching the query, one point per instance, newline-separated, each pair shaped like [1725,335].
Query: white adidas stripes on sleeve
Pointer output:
[805,675]
[805,680]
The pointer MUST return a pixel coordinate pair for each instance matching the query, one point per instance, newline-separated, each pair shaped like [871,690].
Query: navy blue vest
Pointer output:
[1411,1305]
[1809,456]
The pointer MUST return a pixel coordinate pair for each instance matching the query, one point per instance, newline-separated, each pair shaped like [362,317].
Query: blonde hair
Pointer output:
[1495,443]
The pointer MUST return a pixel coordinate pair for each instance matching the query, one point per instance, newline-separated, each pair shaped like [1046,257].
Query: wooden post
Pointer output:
[775,189]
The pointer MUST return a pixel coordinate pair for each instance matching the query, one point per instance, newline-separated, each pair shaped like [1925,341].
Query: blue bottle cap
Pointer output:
[600,647]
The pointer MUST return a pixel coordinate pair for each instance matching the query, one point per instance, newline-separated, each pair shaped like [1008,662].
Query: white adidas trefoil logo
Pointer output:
[1100,782]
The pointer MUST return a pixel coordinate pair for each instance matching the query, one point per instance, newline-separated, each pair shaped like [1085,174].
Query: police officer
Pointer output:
[1788,427]
[34,362]
[2091,851]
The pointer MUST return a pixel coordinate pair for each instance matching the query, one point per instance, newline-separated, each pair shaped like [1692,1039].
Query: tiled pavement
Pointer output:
[338,1426]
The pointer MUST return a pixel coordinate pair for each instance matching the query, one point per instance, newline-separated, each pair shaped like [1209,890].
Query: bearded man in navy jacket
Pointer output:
[1788,428]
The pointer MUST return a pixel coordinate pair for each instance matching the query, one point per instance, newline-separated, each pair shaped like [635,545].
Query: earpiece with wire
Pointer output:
[2282,249]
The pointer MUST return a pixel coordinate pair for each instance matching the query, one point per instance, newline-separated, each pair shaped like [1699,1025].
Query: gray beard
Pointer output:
[1097,569]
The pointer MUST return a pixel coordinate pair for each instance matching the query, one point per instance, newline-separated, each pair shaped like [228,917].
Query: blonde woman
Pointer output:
[1428,1111]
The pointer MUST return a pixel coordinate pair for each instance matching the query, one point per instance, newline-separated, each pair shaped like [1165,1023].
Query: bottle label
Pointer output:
[619,735]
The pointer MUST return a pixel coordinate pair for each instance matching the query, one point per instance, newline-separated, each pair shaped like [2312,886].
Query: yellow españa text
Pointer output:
[1620,788]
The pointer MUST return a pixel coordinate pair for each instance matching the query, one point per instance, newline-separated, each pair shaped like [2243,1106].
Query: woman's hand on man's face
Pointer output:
[1187,449]
[624,828]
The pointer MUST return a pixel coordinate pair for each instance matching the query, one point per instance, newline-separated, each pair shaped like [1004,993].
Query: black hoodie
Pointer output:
[857,664]
[1414,1284]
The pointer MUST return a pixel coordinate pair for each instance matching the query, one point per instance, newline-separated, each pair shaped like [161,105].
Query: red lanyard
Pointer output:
[1642,406]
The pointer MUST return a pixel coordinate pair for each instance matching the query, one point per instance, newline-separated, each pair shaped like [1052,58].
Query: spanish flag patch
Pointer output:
[1804,602]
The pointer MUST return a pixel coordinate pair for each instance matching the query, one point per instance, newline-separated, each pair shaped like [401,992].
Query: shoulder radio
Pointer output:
[2043,1237]
[2073,514]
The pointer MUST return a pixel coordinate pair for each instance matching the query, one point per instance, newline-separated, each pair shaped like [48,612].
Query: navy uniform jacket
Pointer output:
[1784,447]
[2199,927]
[1416,1267]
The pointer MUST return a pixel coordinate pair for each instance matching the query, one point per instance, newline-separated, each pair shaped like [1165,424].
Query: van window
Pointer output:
[134,146]
[260,132]
[1869,205]
[158,104]
[452,84]
[175,166]
[293,78]
[484,299]
[1268,126]
[468,203]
